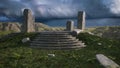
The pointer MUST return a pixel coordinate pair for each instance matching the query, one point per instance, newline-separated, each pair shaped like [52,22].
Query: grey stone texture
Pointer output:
[106,62]
[81,20]
[76,32]
[70,25]
[56,40]
[28,25]
[24,40]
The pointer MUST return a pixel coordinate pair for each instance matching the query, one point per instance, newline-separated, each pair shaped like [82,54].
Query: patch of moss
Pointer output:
[2,33]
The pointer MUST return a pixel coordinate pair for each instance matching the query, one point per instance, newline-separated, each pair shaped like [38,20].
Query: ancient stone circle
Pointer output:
[54,39]
[29,20]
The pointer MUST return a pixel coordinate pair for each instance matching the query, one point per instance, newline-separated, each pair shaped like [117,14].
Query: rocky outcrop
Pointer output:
[16,27]
[10,27]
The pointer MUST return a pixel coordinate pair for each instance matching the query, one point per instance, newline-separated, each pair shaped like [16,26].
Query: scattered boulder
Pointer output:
[106,62]
[99,43]
[10,27]
[25,40]
[51,55]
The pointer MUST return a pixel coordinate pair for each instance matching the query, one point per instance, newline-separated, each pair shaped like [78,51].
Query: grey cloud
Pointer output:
[61,8]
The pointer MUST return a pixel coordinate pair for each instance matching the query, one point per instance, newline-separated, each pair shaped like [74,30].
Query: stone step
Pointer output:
[53,33]
[54,40]
[44,42]
[48,35]
[54,36]
[52,45]
[57,48]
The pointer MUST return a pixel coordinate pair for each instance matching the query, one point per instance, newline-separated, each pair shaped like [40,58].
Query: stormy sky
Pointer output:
[10,9]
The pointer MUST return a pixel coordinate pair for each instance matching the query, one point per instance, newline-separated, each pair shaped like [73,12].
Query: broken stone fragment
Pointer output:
[25,40]
[51,55]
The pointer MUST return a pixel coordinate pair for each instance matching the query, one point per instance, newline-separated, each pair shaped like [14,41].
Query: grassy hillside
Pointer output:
[16,27]
[112,32]
[14,54]
[2,33]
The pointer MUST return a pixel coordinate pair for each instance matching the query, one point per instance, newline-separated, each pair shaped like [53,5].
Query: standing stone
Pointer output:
[81,20]
[70,26]
[28,25]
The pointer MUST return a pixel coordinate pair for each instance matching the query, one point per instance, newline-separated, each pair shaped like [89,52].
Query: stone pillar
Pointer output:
[81,20]
[70,26]
[28,25]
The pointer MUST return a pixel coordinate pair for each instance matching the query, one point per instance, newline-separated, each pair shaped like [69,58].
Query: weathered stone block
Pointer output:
[70,26]
[81,20]
[75,32]
[28,25]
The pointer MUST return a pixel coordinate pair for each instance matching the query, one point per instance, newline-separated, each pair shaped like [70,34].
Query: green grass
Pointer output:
[112,32]
[2,33]
[14,54]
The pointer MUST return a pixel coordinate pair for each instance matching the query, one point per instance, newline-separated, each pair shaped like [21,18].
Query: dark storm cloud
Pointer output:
[61,8]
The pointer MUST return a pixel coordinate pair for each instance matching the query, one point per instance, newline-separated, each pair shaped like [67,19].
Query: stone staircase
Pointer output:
[56,40]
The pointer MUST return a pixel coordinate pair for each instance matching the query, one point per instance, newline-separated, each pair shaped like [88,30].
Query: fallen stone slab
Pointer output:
[106,62]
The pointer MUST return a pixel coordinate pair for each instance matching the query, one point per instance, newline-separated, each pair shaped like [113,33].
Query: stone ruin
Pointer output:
[29,21]
[70,26]
[60,39]
[81,20]
[28,25]
[80,23]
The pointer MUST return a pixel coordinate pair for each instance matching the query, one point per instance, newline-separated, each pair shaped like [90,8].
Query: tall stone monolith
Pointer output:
[81,20]
[70,26]
[28,25]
